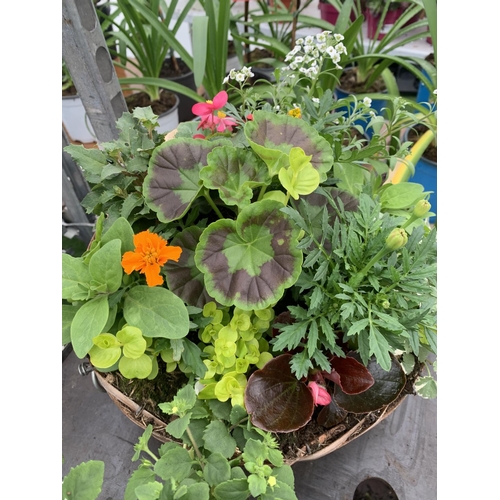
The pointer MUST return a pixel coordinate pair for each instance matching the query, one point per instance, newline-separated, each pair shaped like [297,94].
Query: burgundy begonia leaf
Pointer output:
[351,375]
[387,387]
[251,261]
[173,179]
[331,415]
[272,137]
[183,277]
[275,400]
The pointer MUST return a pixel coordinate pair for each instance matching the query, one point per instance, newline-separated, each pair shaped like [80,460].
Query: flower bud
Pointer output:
[421,208]
[397,239]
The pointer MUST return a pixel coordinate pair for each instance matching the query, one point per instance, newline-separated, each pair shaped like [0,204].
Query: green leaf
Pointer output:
[196,491]
[235,172]
[218,440]
[217,469]
[178,427]
[380,347]
[88,322]
[121,230]
[106,351]
[272,136]
[402,195]
[426,387]
[84,482]
[105,266]
[149,491]
[157,312]
[90,159]
[68,313]
[234,489]
[257,485]
[74,272]
[251,261]
[175,463]
[142,475]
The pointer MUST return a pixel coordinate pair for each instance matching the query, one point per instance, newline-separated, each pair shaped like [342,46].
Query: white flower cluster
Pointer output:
[239,75]
[309,53]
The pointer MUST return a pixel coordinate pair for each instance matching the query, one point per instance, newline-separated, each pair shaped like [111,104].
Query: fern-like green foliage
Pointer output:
[391,308]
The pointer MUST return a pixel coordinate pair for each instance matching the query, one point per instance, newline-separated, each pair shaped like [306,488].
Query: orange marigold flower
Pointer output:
[151,252]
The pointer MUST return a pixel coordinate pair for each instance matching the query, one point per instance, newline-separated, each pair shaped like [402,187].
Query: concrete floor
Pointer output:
[401,450]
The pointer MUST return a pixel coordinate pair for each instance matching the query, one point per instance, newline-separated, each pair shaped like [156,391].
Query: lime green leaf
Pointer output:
[134,344]
[272,137]
[88,323]
[105,266]
[402,195]
[301,178]
[74,272]
[157,312]
[84,482]
[135,368]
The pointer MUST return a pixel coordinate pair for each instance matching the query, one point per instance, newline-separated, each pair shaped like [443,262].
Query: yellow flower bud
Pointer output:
[397,239]
[421,208]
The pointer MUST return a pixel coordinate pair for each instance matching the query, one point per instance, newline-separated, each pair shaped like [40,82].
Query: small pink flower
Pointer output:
[320,394]
[249,117]
[211,116]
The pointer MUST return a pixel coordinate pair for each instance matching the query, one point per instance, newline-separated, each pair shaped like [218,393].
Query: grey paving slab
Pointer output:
[401,449]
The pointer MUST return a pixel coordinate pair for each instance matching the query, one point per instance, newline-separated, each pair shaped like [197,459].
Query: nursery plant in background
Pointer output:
[143,52]
[260,251]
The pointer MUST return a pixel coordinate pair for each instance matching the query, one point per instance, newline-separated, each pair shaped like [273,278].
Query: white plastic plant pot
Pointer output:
[75,120]
[169,120]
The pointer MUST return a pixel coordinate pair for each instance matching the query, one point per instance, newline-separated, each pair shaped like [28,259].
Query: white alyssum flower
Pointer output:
[309,40]
[367,101]
[340,47]
[315,100]
[338,37]
[435,92]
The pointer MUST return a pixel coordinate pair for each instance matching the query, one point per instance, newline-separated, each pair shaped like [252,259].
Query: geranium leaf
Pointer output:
[157,312]
[173,179]
[183,277]
[271,135]
[276,400]
[387,387]
[251,261]
[353,376]
[234,172]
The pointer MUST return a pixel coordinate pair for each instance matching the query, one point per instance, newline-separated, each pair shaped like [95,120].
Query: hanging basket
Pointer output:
[331,440]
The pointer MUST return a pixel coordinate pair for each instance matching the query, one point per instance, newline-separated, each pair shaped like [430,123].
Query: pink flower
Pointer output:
[211,115]
[320,394]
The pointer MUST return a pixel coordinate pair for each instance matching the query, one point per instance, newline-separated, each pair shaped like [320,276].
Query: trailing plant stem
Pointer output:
[196,449]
